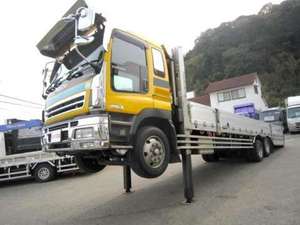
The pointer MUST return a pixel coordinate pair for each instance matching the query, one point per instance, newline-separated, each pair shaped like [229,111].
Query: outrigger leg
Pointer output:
[187,176]
[127,178]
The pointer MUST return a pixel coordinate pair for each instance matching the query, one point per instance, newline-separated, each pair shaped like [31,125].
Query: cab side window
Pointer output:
[158,63]
[129,67]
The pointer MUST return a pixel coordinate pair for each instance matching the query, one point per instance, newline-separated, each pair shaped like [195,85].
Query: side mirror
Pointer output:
[86,19]
[46,73]
[49,73]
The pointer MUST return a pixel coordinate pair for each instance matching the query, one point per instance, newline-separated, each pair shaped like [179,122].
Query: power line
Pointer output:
[19,99]
[12,103]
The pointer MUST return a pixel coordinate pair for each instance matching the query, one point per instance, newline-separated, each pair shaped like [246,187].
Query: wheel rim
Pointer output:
[43,173]
[267,147]
[154,152]
[260,150]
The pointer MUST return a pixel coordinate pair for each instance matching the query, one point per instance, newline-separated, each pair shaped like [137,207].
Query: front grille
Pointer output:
[59,127]
[72,104]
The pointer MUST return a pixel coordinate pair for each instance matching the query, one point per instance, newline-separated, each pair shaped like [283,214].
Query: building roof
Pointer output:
[230,83]
[204,99]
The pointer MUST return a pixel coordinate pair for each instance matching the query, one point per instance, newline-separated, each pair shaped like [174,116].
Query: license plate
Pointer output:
[56,136]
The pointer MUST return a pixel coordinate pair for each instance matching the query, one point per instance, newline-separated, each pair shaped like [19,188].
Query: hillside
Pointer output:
[267,43]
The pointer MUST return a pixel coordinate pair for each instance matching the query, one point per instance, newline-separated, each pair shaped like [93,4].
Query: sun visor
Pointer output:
[57,41]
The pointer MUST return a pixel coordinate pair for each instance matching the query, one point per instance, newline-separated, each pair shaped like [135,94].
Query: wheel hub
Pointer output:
[44,173]
[154,152]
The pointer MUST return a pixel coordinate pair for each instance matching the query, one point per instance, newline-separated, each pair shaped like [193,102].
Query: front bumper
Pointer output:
[62,137]
[294,127]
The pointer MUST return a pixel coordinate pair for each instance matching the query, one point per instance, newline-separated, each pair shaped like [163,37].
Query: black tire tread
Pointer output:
[84,167]
[138,166]
[210,157]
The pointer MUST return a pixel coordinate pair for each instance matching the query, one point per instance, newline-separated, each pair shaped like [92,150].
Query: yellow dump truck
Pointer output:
[125,104]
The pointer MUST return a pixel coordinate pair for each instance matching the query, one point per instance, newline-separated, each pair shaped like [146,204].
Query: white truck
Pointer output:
[293,113]
[125,104]
[21,155]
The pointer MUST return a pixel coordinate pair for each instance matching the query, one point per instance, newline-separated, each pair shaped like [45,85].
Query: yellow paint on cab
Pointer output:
[134,103]
[72,113]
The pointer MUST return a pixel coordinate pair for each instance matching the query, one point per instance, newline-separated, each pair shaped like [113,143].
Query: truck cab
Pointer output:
[275,115]
[99,99]
[293,113]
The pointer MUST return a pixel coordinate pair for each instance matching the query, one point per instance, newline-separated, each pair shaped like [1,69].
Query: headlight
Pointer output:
[98,89]
[84,133]
[103,128]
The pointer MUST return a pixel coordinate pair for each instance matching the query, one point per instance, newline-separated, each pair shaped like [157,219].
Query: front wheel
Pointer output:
[267,147]
[44,172]
[257,153]
[88,165]
[151,154]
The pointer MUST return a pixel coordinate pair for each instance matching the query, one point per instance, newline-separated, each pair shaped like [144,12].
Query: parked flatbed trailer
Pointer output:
[40,165]
[127,105]
[29,162]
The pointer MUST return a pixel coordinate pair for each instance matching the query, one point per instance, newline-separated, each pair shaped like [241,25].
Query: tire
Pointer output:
[268,148]
[44,172]
[88,165]
[257,153]
[151,154]
[210,157]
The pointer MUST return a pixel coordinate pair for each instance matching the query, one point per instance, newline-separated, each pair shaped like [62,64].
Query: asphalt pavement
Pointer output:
[229,192]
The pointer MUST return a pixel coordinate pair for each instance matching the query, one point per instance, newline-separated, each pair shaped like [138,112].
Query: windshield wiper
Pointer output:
[54,85]
[77,72]
[74,75]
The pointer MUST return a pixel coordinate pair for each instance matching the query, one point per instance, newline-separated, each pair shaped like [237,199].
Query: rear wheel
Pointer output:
[210,157]
[267,147]
[257,153]
[151,154]
[88,165]
[44,172]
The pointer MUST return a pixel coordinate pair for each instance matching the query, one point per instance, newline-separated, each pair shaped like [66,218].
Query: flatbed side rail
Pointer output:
[199,142]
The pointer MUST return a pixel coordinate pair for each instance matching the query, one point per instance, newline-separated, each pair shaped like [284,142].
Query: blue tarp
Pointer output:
[21,125]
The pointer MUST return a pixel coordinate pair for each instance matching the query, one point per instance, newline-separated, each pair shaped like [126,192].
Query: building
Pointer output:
[203,99]
[233,92]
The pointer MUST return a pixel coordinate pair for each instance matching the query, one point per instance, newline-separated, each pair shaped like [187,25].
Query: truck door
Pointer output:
[128,79]
[161,86]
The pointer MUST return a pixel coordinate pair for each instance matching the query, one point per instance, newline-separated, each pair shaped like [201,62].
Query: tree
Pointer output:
[267,43]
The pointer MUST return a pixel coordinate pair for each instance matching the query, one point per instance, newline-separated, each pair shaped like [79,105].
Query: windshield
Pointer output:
[294,112]
[94,56]
[63,73]
[270,116]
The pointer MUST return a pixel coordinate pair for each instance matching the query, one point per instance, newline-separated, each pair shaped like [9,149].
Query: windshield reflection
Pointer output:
[294,112]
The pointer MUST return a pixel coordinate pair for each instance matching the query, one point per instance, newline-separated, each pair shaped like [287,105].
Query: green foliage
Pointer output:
[267,43]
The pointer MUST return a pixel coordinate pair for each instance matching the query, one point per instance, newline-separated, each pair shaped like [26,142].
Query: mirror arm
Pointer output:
[85,59]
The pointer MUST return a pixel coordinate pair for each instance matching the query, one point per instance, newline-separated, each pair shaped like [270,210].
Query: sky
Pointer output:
[24,23]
